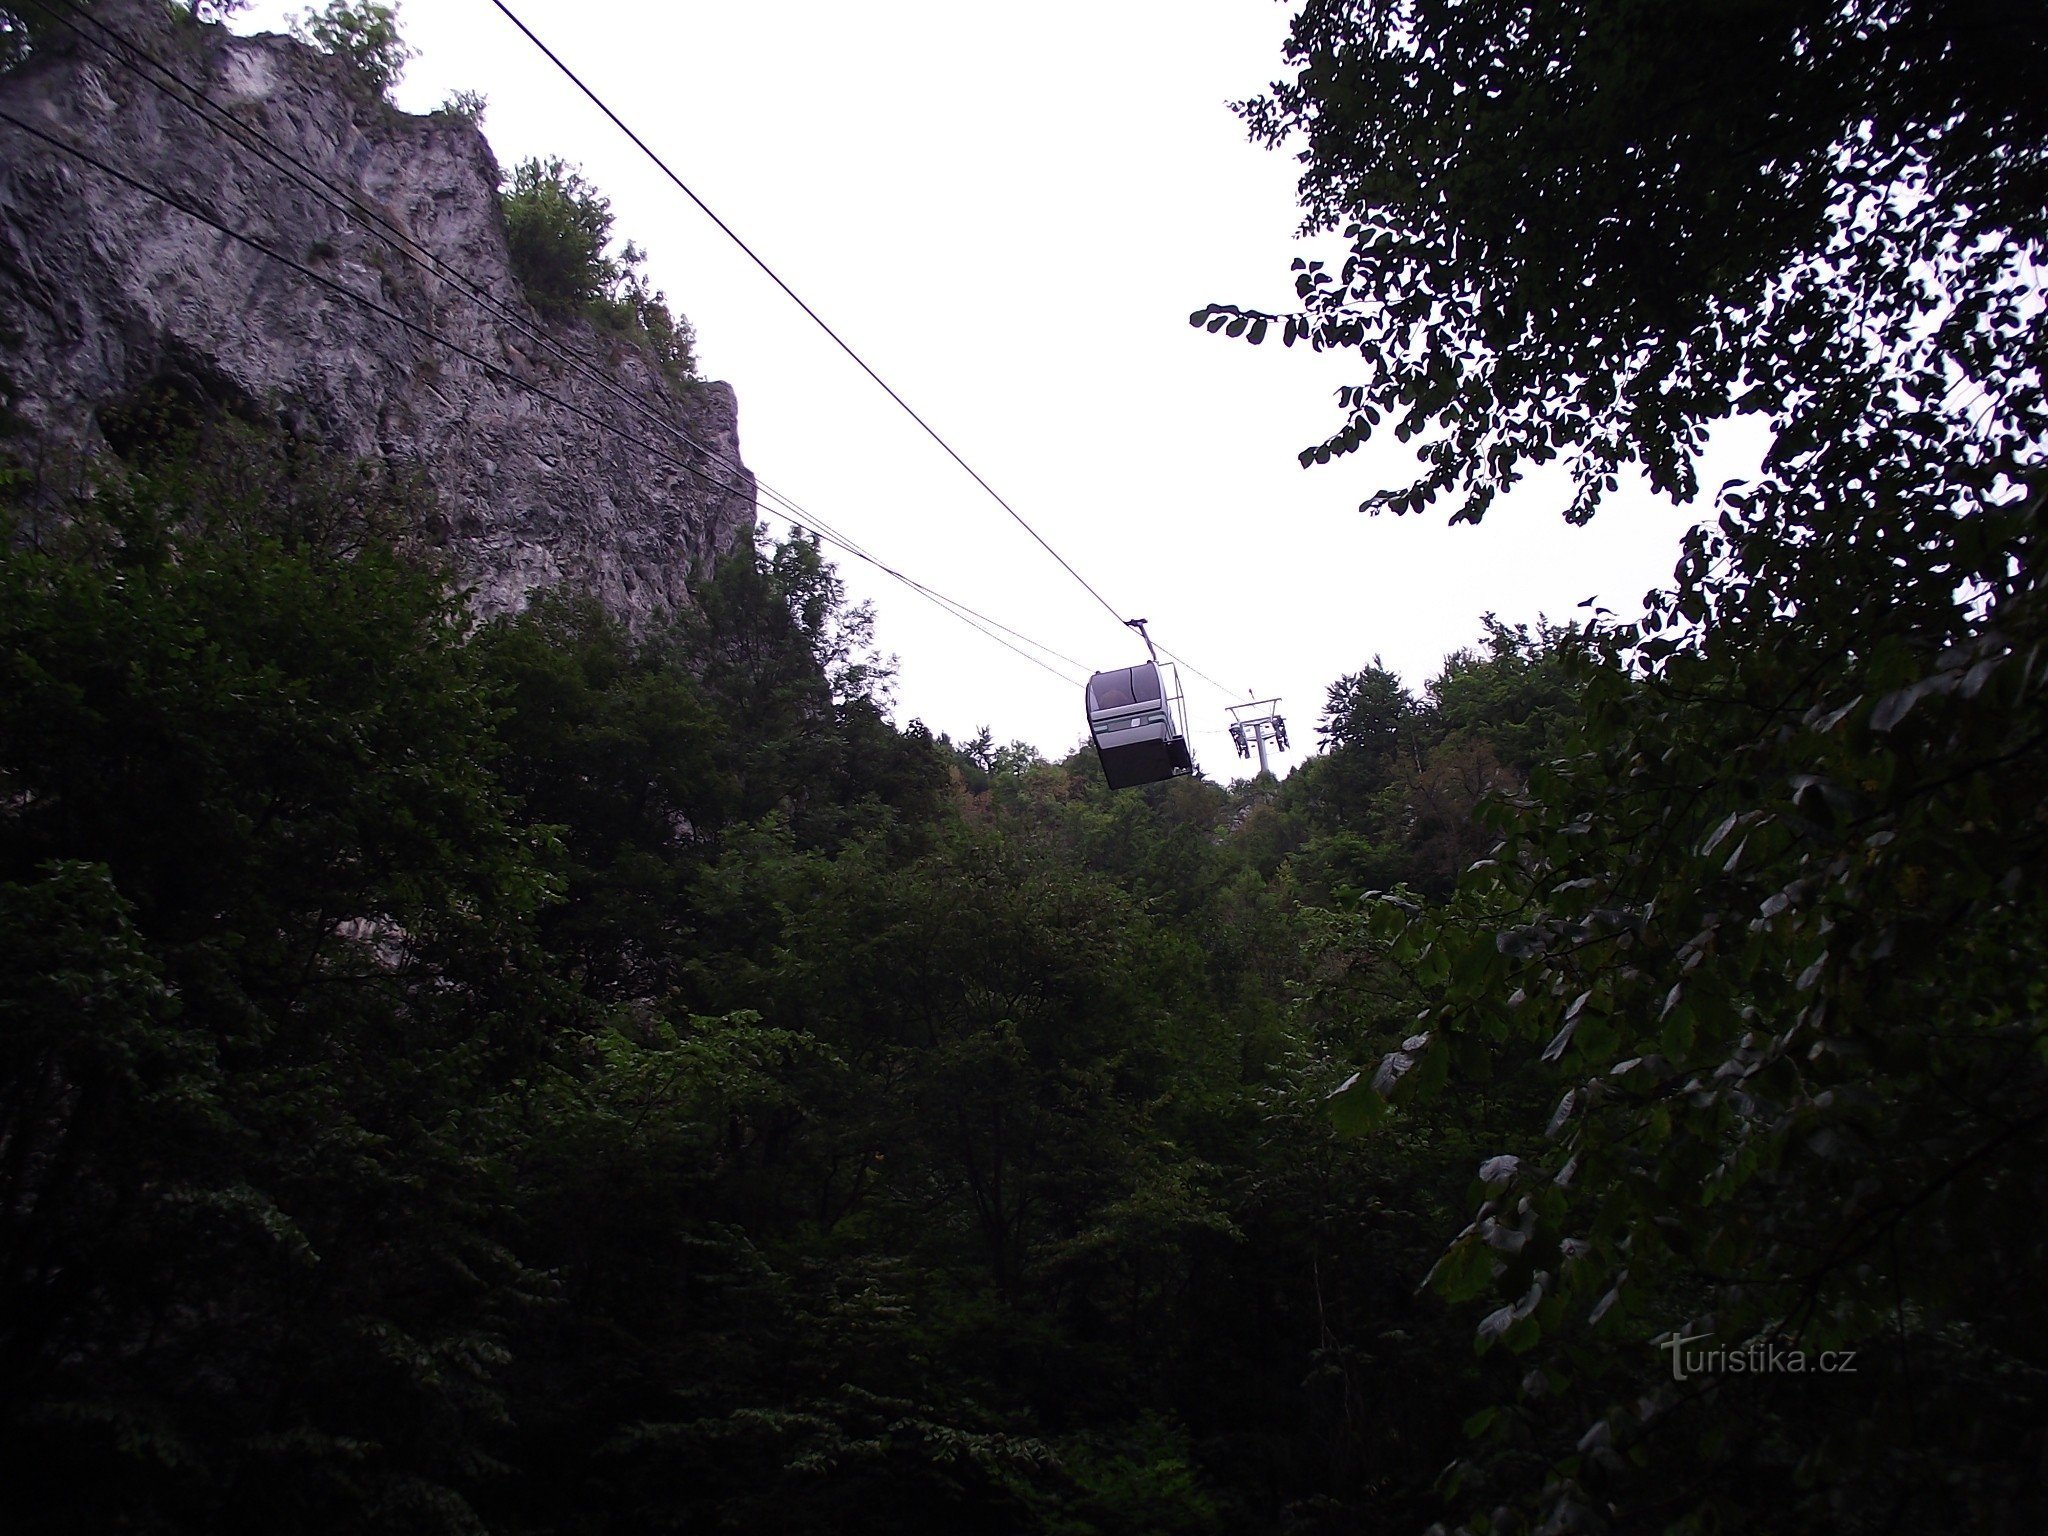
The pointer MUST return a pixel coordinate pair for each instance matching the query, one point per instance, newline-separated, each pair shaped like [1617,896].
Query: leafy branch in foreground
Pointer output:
[1777,971]
[1588,231]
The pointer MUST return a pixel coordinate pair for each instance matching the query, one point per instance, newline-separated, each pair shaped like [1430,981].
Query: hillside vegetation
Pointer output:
[529,1078]
[520,1078]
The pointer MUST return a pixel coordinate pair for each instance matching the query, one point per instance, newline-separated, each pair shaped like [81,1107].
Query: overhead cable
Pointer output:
[773,276]
[861,362]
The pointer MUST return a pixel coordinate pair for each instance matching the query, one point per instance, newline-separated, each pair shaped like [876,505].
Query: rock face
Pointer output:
[558,454]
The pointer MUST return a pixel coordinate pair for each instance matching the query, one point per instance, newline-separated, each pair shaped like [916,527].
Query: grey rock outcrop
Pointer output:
[621,485]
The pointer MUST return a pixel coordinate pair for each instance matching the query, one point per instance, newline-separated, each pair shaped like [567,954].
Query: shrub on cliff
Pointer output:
[559,227]
[362,31]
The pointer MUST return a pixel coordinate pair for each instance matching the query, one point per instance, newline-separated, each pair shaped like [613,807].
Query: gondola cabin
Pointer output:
[1132,716]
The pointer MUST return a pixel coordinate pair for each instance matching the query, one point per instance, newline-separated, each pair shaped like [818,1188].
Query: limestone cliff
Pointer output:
[108,295]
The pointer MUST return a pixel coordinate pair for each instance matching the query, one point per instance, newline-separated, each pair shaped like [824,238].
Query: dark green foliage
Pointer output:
[557,226]
[1763,934]
[1585,231]
[787,665]
[266,979]
[540,1080]
[615,745]
[1395,799]
[1775,969]
[558,229]
[1515,693]
[1369,714]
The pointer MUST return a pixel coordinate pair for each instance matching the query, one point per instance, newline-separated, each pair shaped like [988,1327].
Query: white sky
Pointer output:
[1010,211]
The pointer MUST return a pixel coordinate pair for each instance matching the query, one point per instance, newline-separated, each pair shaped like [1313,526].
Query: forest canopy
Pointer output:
[526,1078]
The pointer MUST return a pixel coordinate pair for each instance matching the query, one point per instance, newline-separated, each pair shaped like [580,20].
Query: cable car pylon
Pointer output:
[1254,724]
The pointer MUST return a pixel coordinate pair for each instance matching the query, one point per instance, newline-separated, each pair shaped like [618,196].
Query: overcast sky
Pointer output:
[1010,211]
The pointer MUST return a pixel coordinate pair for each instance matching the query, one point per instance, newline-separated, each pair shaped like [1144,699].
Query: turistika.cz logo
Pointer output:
[1759,1357]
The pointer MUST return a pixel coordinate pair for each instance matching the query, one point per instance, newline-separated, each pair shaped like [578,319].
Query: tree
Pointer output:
[1590,230]
[1371,714]
[467,105]
[364,32]
[613,743]
[1514,692]
[785,662]
[557,226]
[558,231]
[268,969]
[1758,929]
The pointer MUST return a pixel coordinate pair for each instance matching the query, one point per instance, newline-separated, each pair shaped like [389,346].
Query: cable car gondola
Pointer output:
[1138,720]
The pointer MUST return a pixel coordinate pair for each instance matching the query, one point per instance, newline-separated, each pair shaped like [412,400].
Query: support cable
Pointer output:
[859,361]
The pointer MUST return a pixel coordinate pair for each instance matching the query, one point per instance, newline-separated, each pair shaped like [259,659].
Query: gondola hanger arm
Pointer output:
[1139,626]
